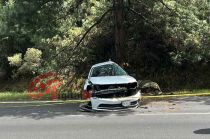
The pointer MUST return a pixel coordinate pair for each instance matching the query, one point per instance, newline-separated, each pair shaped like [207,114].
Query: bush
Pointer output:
[15,60]
[27,66]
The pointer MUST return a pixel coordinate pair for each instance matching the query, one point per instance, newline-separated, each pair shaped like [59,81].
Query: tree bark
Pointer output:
[119,15]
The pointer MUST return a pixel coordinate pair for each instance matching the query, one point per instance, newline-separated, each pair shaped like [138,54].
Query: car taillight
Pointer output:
[87,94]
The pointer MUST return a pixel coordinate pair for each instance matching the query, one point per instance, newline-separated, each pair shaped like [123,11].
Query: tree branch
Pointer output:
[80,41]
[85,34]
[143,17]
[83,37]
[97,22]
[177,13]
[173,11]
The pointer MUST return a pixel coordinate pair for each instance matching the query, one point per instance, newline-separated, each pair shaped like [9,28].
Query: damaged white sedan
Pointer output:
[109,87]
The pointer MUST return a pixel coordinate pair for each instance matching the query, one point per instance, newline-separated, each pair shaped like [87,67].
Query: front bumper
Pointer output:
[115,103]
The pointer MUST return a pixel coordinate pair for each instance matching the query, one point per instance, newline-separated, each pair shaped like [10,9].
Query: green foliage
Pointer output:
[166,40]
[170,42]
[27,66]
[33,56]
[186,28]
[76,19]
[15,60]
[24,24]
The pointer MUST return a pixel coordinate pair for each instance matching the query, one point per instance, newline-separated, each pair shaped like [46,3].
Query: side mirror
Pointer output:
[89,82]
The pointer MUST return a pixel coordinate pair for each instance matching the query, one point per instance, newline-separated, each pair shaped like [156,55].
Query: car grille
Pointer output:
[115,93]
[111,86]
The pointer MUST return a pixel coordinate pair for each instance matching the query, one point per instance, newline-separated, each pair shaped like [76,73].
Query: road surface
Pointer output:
[182,118]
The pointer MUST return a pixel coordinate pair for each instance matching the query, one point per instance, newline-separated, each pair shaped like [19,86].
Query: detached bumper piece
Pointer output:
[86,107]
[118,106]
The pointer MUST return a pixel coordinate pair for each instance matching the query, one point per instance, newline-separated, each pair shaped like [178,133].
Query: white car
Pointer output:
[109,87]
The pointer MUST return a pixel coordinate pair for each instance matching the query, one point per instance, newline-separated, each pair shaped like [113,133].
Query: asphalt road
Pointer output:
[183,118]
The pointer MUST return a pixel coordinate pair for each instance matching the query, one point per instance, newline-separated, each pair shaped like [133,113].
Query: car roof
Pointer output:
[103,63]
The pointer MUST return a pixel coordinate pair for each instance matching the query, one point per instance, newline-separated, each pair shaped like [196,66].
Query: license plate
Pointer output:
[126,103]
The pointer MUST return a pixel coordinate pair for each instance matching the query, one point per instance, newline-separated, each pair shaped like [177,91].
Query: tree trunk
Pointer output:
[120,41]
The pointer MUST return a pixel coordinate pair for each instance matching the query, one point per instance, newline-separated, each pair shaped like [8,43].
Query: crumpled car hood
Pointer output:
[112,80]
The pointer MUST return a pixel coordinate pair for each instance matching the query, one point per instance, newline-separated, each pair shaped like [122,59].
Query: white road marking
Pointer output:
[140,114]
[166,114]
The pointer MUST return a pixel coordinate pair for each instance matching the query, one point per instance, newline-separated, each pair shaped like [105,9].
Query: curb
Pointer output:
[22,104]
[42,102]
[178,95]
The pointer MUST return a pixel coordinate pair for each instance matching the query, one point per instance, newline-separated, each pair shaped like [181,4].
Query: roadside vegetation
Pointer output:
[164,41]
[14,96]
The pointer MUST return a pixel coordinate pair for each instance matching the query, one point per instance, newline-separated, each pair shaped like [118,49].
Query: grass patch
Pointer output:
[24,96]
[196,91]
[18,96]
[13,96]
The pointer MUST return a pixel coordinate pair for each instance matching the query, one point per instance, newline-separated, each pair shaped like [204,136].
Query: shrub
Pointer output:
[15,60]
[27,66]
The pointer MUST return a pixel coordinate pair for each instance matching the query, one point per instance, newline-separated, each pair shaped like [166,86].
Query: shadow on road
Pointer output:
[202,131]
[66,109]
[53,111]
